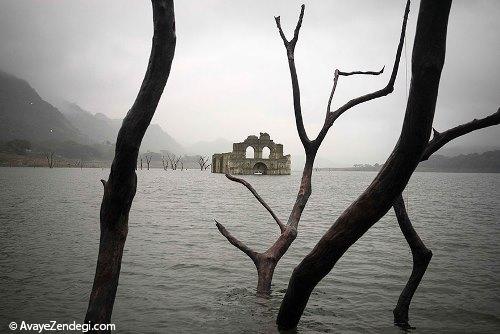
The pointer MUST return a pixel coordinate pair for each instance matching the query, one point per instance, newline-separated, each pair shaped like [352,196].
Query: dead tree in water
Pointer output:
[174,160]
[422,255]
[164,163]
[148,160]
[427,63]
[119,190]
[203,162]
[50,159]
[79,163]
[266,262]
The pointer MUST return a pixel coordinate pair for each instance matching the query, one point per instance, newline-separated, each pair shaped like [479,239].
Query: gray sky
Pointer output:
[230,75]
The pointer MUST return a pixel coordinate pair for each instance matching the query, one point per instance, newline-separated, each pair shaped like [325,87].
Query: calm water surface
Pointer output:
[179,275]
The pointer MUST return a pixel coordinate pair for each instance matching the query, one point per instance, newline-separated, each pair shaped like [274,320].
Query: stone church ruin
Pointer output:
[253,156]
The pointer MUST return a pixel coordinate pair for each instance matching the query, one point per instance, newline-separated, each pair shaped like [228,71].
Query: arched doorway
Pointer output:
[260,168]
[266,153]
[250,152]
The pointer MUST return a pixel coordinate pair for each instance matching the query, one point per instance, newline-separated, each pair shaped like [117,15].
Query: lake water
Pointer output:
[179,275]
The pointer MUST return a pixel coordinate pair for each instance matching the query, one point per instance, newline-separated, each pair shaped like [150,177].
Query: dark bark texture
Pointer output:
[421,258]
[420,254]
[120,188]
[427,62]
[266,262]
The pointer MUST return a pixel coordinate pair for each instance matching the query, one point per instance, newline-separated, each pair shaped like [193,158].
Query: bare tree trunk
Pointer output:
[267,261]
[50,159]
[119,190]
[164,163]
[421,258]
[265,270]
[203,161]
[421,255]
[427,62]
[173,160]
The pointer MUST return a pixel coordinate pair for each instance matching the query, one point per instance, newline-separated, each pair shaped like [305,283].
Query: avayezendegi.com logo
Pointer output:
[55,326]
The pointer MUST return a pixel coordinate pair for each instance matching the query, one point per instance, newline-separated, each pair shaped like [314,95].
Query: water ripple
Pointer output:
[179,275]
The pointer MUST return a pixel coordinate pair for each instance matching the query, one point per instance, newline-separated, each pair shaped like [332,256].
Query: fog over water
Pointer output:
[179,275]
[230,70]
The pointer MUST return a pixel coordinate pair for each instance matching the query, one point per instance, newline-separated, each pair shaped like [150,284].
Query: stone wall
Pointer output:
[236,162]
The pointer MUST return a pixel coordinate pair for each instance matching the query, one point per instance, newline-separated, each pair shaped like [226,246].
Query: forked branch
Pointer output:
[420,253]
[390,85]
[268,260]
[442,138]
[290,45]
[235,242]
[346,74]
[260,199]
[290,48]
[331,116]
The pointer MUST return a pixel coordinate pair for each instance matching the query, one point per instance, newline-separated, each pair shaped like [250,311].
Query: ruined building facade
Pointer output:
[237,162]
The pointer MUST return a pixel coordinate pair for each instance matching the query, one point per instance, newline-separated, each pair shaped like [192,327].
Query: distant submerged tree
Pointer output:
[50,159]
[148,160]
[164,163]
[174,160]
[203,161]
[120,188]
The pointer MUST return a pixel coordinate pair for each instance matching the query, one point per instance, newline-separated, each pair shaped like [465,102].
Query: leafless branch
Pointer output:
[235,242]
[148,160]
[290,48]
[440,139]
[293,41]
[203,161]
[50,159]
[257,196]
[331,116]
[389,88]
[174,160]
[164,163]
[420,253]
[346,74]
[122,181]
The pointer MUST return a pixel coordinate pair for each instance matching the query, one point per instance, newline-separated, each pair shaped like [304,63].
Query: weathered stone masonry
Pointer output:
[236,162]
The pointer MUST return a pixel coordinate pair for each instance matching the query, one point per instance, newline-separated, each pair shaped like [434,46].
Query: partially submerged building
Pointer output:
[253,156]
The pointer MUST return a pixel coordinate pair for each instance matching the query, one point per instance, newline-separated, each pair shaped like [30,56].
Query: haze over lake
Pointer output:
[179,275]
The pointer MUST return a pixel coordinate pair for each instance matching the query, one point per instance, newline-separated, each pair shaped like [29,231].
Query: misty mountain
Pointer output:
[219,145]
[101,129]
[454,150]
[25,115]
[487,162]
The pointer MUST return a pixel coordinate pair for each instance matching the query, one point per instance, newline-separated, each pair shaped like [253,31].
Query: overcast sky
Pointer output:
[230,75]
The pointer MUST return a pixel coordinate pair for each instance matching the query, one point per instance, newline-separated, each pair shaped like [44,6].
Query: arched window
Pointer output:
[250,152]
[266,152]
